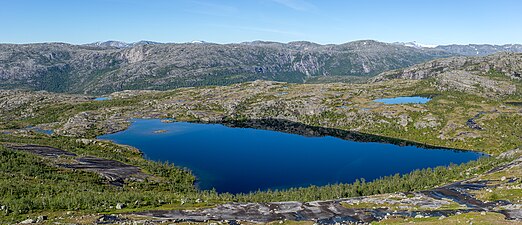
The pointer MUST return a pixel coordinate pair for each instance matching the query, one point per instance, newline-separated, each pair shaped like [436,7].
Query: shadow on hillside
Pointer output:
[287,126]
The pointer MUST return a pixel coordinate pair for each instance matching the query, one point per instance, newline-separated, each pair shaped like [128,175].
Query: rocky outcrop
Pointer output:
[509,64]
[482,75]
[116,173]
[428,121]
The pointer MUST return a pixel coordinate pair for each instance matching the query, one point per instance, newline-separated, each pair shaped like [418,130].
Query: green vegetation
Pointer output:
[414,181]
[37,185]
[30,183]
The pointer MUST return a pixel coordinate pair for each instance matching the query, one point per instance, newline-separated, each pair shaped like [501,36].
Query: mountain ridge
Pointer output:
[460,49]
[114,66]
[61,67]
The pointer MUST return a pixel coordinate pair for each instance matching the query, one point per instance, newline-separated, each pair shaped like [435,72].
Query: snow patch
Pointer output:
[414,44]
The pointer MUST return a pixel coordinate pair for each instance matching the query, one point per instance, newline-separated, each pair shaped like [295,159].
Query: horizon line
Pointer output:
[252,41]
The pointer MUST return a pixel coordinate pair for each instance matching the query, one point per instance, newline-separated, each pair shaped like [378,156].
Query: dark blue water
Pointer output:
[404,100]
[243,159]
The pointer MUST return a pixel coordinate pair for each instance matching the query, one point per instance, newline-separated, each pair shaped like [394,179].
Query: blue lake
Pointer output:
[240,160]
[101,98]
[404,100]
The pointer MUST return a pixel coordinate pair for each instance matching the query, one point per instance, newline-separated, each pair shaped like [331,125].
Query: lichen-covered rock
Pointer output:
[404,120]
[428,121]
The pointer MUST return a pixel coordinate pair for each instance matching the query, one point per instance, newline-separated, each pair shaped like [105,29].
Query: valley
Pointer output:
[277,112]
[472,106]
[334,109]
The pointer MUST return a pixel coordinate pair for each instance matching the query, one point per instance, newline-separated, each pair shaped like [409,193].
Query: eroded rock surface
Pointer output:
[115,172]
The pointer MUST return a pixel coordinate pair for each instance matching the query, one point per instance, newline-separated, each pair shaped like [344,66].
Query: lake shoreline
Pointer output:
[282,127]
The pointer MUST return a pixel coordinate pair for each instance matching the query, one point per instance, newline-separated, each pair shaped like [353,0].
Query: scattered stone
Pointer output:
[84,141]
[503,178]
[108,219]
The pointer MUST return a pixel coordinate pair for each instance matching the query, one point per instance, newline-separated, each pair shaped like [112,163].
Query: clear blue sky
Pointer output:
[226,21]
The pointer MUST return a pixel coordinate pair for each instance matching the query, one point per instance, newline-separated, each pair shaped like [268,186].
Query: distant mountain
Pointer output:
[114,44]
[199,42]
[467,50]
[146,43]
[479,50]
[104,67]
[119,44]
[112,66]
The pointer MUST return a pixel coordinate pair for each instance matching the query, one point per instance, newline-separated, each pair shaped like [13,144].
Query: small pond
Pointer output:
[404,100]
[515,103]
[101,98]
[240,160]
[40,130]
[43,131]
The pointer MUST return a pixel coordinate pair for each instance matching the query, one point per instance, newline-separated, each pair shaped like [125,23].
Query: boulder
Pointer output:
[120,206]
[40,219]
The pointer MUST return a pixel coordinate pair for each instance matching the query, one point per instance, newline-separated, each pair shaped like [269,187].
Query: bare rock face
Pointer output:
[134,55]
[468,82]
[115,172]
